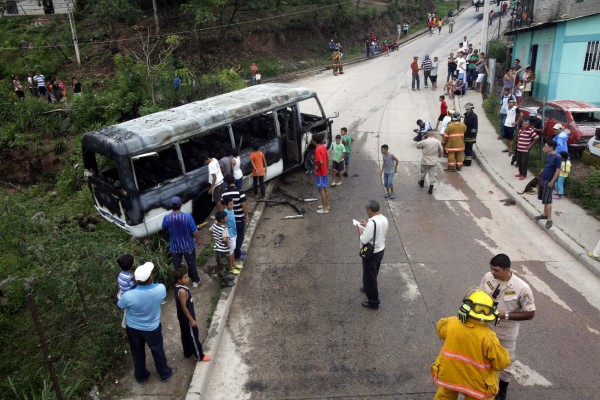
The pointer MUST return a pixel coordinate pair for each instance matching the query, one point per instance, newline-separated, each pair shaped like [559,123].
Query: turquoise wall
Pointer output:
[545,39]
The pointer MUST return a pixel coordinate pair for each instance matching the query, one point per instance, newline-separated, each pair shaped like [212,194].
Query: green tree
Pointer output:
[111,12]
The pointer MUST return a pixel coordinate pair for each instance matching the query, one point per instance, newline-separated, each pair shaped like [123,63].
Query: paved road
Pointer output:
[296,329]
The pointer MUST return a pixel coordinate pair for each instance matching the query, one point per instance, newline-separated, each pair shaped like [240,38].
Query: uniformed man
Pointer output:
[515,303]
[454,142]
[337,64]
[470,120]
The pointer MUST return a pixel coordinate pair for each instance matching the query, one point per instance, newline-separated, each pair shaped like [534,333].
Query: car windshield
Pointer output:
[581,117]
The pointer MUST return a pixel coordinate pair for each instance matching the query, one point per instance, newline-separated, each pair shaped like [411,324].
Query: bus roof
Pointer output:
[156,130]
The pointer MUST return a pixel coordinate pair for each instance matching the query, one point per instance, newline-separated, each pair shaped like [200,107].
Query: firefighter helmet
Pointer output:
[481,306]
[469,106]
[456,116]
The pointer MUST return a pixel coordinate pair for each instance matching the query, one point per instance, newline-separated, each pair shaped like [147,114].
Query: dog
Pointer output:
[531,185]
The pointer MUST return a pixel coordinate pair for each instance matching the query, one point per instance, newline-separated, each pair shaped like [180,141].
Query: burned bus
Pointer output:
[135,167]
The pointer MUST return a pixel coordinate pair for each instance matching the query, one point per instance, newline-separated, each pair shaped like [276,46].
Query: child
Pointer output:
[228,204]
[125,280]
[443,111]
[565,171]
[337,154]
[187,317]
[347,142]
[388,170]
[259,169]
[220,233]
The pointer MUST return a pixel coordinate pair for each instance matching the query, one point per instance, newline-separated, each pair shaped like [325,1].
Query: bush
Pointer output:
[587,190]
[497,49]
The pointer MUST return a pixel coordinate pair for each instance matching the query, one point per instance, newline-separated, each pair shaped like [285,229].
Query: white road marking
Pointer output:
[412,291]
[542,287]
[578,278]
[528,377]
[593,330]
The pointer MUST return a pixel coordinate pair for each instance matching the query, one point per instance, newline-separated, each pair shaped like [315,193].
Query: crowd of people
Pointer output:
[54,89]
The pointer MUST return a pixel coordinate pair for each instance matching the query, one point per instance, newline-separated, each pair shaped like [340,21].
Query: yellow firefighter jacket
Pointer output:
[470,358]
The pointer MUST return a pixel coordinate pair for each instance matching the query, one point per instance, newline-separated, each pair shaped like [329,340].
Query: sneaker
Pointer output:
[522,177]
[230,277]
[228,284]
[320,206]
[549,224]
[339,183]
[205,358]
[235,272]
[195,284]
[173,370]
[540,217]
[422,183]
[239,266]
[430,191]
[322,211]
[591,255]
[392,196]
[242,257]
[387,195]
[345,174]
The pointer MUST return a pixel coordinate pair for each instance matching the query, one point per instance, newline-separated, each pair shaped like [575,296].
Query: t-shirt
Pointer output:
[143,306]
[434,68]
[214,169]
[126,281]
[426,64]
[378,225]
[472,60]
[414,67]
[481,65]
[180,227]
[225,164]
[220,231]
[461,65]
[552,163]
[526,137]
[388,163]
[511,116]
[231,222]
[40,80]
[337,151]
[259,166]
[347,142]
[238,199]
[443,108]
[321,156]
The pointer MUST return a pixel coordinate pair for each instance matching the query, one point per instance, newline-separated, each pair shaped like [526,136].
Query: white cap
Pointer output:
[533,113]
[143,272]
[557,126]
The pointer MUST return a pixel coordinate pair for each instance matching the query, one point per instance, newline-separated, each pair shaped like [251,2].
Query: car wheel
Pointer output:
[309,160]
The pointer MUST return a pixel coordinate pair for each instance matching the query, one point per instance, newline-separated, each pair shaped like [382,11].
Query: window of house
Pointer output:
[592,56]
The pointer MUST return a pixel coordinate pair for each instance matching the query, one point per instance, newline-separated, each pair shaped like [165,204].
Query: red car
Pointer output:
[579,117]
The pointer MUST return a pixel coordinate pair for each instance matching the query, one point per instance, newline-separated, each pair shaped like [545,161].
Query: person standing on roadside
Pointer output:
[471,122]
[451,66]
[525,140]
[259,170]
[322,172]
[253,73]
[426,66]
[513,114]
[183,238]
[561,137]
[338,152]
[432,150]
[31,84]
[215,179]
[374,231]
[440,24]
[405,29]
[388,170]
[399,29]
[515,303]
[240,210]
[347,142]
[143,324]
[414,66]
[434,73]
[504,98]
[482,70]
[550,173]
[443,111]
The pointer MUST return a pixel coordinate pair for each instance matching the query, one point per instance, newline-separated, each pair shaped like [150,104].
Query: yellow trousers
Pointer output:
[455,158]
[446,394]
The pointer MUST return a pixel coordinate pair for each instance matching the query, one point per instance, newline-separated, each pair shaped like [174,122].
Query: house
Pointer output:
[35,7]
[560,39]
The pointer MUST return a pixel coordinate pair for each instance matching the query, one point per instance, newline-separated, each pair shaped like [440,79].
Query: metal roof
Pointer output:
[575,105]
[162,128]
[545,24]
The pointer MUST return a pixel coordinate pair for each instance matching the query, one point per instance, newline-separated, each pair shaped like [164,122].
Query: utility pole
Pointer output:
[70,6]
[155,16]
[485,25]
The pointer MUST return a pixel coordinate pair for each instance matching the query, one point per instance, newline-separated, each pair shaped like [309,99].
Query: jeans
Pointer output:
[259,181]
[450,73]
[502,120]
[426,74]
[560,185]
[415,78]
[240,227]
[388,180]
[190,260]
[370,272]
[154,339]
[238,183]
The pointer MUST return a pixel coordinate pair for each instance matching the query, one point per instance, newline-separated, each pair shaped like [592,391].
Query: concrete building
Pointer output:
[36,7]
[564,53]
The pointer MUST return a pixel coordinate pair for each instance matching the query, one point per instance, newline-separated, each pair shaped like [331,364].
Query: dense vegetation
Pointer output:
[52,244]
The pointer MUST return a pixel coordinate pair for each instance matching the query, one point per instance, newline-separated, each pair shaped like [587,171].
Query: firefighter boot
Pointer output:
[502,392]
[430,191]
[421,183]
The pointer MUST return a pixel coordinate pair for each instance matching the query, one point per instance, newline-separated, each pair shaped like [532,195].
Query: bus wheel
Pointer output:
[202,207]
[309,160]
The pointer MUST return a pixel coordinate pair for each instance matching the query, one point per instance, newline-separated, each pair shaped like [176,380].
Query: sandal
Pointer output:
[540,217]
[549,224]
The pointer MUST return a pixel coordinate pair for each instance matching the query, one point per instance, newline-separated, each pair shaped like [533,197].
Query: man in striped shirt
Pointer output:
[526,139]
[426,66]
[221,245]
[240,209]
[183,237]
[41,83]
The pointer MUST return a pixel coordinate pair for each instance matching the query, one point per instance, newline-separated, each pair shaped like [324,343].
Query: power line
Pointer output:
[184,32]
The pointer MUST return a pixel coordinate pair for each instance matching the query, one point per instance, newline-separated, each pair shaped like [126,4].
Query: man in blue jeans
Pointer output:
[143,323]
[183,237]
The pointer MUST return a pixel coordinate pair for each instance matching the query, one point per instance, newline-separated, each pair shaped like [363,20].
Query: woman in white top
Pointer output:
[236,164]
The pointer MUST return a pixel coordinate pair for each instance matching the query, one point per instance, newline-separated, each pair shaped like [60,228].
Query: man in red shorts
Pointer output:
[322,172]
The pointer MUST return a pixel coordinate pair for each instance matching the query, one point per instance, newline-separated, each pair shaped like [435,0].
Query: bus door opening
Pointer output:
[288,128]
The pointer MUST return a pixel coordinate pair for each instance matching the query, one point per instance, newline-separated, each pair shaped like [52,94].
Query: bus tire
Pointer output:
[202,206]
[309,160]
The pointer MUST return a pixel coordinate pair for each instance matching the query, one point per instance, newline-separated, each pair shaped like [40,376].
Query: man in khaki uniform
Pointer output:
[515,303]
[432,150]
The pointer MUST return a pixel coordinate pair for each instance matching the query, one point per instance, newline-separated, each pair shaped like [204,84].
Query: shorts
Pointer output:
[217,192]
[338,166]
[232,242]
[441,117]
[545,192]
[347,160]
[388,180]
[322,181]
[480,78]
[433,78]
[509,132]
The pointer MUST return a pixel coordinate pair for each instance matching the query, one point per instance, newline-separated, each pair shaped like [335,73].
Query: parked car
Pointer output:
[579,117]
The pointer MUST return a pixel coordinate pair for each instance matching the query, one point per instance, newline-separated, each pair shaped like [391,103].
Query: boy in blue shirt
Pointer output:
[228,204]
[125,280]
[550,173]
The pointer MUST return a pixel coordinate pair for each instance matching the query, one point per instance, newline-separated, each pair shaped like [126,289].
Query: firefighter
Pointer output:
[471,355]
[454,142]
[337,64]
[470,121]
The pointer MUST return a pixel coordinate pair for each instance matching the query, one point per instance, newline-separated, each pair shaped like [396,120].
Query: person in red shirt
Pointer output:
[259,169]
[322,173]
[526,139]
[415,73]
[443,111]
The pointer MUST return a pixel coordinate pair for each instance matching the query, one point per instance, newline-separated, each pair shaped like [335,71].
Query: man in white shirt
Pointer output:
[461,66]
[215,179]
[372,231]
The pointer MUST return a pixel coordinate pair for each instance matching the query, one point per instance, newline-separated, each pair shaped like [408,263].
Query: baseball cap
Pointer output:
[143,272]
[175,202]
[533,113]
[557,126]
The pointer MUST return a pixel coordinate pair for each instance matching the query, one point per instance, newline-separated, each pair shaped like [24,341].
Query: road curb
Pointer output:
[559,236]
[212,342]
